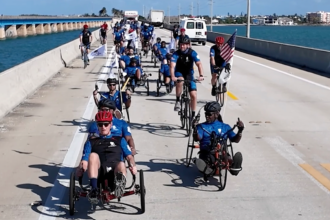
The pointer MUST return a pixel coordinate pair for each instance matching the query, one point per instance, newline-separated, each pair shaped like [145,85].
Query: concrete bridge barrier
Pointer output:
[17,83]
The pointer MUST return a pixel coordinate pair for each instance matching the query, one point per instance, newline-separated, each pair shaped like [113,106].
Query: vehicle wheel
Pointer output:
[72,193]
[219,96]
[142,192]
[204,43]
[85,60]
[190,148]
[222,175]
[158,87]
[147,87]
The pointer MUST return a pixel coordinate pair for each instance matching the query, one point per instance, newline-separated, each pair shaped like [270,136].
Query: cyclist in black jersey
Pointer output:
[85,39]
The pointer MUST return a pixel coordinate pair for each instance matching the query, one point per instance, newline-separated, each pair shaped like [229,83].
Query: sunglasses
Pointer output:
[105,124]
[104,109]
[112,84]
[208,113]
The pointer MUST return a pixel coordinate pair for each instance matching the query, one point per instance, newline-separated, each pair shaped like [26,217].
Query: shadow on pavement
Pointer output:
[160,129]
[180,174]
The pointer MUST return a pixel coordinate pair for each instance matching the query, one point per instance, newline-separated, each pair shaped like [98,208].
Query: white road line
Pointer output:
[284,149]
[56,195]
[283,72]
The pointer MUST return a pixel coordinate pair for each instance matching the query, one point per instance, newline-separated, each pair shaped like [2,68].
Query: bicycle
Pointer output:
[185,108]
[85,55]
[221,80]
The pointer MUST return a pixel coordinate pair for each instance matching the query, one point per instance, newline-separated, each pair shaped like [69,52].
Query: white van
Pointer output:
[195,29]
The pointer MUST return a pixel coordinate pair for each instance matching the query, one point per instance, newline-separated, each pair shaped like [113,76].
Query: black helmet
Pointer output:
[212,107]
[111,80]
[184,40]
[133,60]
[107,103]
[158,39]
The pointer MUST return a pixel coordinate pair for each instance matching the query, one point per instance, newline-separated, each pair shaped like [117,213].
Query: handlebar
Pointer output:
[187,80]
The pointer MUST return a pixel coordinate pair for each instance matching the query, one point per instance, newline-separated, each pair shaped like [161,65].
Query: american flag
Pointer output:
[227,51]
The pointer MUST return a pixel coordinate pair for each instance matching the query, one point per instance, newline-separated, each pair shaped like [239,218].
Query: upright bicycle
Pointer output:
[85,55]
[222,78]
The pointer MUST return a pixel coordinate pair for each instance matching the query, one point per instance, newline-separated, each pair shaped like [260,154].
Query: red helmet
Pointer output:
[103,116]
[219,40]
[182,30]
[130,30]
[85,26]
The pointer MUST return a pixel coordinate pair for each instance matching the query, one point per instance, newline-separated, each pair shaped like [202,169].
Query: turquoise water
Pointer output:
[19,50]
[307,36]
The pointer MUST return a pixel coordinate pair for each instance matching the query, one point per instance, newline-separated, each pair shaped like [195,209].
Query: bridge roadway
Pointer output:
[285,111]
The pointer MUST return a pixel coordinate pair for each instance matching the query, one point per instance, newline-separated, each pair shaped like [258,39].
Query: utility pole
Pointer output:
[179,12]
[143,10]
[248,20]
[211,14]
[197,9]
[169,14]
[191,8]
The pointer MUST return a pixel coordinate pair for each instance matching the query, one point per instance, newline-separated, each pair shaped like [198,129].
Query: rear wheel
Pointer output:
[147,87]
[72,193]
[85,60]
[142,192]
[190,149]
[222,171]
[158,87]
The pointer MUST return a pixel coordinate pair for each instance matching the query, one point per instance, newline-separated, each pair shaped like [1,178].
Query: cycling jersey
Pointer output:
[107,147]
[157,45]
[215,52]
[126,59]
[131,70]
[121,50]
[103,32]
[119,35]
[185,61]
[147,35]
[86,37]
[115,98]
[218,127]
[119,128]
[162,53]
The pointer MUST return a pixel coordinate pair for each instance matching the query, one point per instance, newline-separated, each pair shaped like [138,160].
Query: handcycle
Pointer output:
[220,147]
[130,82]
[117,113]
[85,55]
[106,189]
[185,108]
[146,47]
[222,78]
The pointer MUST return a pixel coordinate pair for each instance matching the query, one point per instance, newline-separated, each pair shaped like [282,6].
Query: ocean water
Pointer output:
[306,36]
[18,50]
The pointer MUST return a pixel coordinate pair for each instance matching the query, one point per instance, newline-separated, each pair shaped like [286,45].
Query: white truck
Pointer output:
[156,18]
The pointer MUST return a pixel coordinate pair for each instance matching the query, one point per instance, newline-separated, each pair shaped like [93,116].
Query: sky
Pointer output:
[220,7]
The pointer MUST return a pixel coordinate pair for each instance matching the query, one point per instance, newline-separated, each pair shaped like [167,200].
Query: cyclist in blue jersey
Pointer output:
[114,95]
[120,127]
[156,46]
[146,38]
[133,70]
[165,70]
[182,67]
[202,133]
[96,156]
[85,39]
[118,37]
[126,59]
[162,51]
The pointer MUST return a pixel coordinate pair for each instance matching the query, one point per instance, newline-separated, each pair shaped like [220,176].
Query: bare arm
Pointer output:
[200,68]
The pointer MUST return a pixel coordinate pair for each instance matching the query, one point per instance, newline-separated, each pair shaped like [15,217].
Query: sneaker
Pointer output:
[236,167]
[120,183]
[177,106]
[202,167]
[93,196]
[213,93]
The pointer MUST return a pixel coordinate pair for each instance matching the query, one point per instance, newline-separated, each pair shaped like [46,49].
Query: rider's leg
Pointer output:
[120,179]
[138,74]
[193,97]
[122,64]
[93,169]
[178,91]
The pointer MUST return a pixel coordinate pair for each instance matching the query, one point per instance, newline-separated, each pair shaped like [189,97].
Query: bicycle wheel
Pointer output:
[187,115]
[72,193]
[219,96]
[182,112]
[127,113]
[223,169]
[190,149]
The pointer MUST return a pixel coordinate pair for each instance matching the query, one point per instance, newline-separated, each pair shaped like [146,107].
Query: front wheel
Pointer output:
[220,95]
[72,193]
[142,192]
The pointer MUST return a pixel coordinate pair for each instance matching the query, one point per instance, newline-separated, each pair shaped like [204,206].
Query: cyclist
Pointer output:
[114,95]
[126,59]
[182,35]
[133,70]
[119,127]
[103,35]
[175,32]
[217,63]
[156,46]
[146,38]
[182,63]
[85,39]
[106,152]
[118,36]
[202,133]
[165,70]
